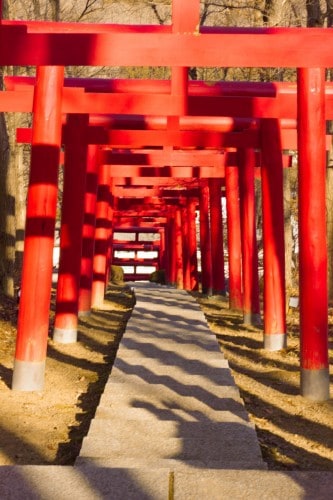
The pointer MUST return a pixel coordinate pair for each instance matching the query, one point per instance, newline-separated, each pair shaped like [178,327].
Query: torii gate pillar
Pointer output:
[67,303]
[312,234]
[234,238]
[192,241]
[162,250]
[205,239]
[275,337]
[251,304]
[102,234]
[186,255]
[88,234]
[179,249]
[216,229]
[33,319]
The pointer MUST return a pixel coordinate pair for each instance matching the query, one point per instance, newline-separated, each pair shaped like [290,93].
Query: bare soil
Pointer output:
[48,427]
[294,433]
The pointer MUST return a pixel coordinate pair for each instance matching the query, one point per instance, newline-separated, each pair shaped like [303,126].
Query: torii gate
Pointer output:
[47,44]
[209,161]
[290,146]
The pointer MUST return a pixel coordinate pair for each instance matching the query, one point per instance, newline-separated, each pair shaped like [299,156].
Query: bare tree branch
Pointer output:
[90,7]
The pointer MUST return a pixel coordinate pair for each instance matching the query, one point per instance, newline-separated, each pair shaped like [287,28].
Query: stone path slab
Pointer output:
[170,424]
[96,482]
[170,398]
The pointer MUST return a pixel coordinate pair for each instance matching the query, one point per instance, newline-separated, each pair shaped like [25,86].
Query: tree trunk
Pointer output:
[314,15]
[7,213]
[288,236]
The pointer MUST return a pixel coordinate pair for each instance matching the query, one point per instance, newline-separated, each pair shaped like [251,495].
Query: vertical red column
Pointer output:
[102,232]
[185,19]
[33,319]
[179,248]
[251,305]
[192,243]
[162,249]
[172,247]
[312,234]
[216,225]
[88,234]
[185,15]
[186,254]
[205,239]
[67,302]
[275,337]
[109,253]
[234,238]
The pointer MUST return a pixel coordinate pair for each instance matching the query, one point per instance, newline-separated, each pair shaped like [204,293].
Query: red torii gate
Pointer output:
[178,161]
[21,43]
[183,157]
[209,276]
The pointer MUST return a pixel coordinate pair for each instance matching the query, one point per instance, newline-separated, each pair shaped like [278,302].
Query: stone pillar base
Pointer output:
[65,336]
[28,375]
[252,319]
[275,341]
[315,384]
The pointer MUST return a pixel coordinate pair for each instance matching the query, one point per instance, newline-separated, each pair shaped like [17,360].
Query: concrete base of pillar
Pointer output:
[28,375]
[252,319]
[83,314]
[65,336]
[275,341]
[315,384]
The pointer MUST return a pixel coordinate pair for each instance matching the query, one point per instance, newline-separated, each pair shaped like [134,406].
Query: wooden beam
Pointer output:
[28,44]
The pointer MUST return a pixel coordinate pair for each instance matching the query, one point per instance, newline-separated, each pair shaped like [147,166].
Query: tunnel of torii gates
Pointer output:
[181,142]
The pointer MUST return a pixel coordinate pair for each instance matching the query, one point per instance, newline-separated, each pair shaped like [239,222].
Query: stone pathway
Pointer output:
[170,423]
[170,401]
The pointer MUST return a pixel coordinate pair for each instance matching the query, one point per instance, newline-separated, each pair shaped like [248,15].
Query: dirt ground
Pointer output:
[48,427]
[294,433]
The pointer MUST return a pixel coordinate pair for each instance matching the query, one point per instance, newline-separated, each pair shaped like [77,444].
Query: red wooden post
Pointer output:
[251,305]
[162,249]
[67,302]
[33,319]
[88,234]
[216,225]
[109,253]
[167,255]
[234,238]
[275,337]
[168,247]
[186,254]
[185,15]
[205,239]
[185,19]
[312,234]
[192,243]
[172,247]
[101,237]
[179,248]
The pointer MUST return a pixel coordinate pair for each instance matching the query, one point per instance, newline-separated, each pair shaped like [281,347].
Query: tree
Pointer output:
[14,158]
